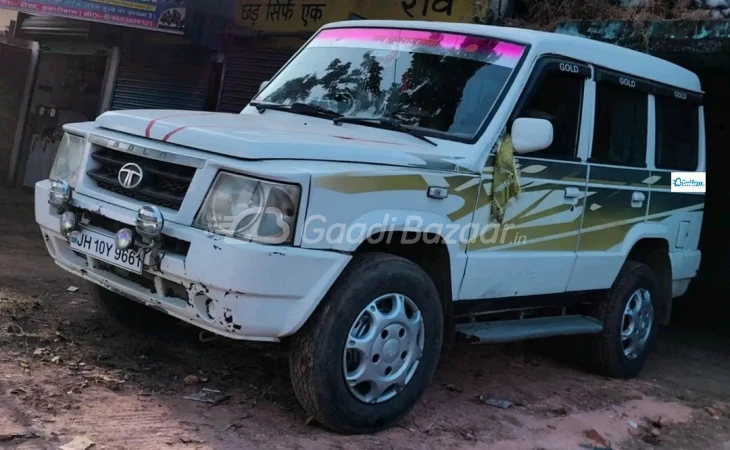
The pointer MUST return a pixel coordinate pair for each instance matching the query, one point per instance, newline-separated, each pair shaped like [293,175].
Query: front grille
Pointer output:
[145,280]
[164,184]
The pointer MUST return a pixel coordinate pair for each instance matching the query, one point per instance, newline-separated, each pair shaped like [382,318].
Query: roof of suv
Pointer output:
[599,53]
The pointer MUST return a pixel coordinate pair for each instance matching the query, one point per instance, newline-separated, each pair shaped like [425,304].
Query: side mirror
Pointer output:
[531,135]
[263,85]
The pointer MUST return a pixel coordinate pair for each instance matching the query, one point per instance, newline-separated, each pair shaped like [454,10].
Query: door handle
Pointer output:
[571,192]
[637,199]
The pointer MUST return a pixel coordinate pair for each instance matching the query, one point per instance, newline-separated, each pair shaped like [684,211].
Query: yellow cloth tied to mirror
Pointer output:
[505,185]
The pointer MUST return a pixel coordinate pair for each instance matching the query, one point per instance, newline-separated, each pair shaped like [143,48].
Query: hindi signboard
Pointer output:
[309,15]
[159,15]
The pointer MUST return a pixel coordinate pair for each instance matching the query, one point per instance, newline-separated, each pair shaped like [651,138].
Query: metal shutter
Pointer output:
[48,26]
[165,77]
[246,68]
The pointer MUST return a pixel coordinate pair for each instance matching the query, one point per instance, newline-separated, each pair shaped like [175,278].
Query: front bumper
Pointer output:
[228,287]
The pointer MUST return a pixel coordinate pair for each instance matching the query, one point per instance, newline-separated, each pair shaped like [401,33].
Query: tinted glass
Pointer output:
[558,98]
[620,128]
[677,134]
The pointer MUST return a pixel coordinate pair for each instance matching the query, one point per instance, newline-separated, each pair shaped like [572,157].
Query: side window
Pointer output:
[677,134]
[620,125]
[558,98]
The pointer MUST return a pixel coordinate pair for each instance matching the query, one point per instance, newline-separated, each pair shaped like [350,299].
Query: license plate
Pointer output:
[103,247]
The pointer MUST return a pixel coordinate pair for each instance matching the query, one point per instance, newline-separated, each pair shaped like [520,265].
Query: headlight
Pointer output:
[250,209]
[68,159]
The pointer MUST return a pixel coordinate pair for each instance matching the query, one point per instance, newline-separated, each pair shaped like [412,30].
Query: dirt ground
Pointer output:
[70,374]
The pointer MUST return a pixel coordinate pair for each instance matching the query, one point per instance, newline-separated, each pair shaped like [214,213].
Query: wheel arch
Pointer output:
[430,242]
[654,252]
[400,232]
[431,253]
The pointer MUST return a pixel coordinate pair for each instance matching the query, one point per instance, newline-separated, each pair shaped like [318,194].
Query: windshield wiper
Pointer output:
[298,108]
[388,124]
[408,111]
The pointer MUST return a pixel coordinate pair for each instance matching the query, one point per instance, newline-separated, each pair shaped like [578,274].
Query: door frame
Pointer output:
[18,157]
[23,114]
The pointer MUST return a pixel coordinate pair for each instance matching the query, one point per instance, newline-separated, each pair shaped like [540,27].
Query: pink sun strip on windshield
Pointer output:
[424,38]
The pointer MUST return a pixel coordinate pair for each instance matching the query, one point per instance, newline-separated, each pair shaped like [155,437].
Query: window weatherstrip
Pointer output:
[678,94]
[646,86]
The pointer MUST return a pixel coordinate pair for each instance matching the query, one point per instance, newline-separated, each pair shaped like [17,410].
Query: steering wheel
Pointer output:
[346,101]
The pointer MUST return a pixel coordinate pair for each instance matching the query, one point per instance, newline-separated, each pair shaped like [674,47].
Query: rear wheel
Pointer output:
[367,354]
[629,320]
[128,312]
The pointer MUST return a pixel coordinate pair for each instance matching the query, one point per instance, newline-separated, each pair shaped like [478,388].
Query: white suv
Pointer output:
[366,206]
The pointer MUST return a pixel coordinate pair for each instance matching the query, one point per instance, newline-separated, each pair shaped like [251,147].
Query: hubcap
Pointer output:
[637,323]
[383,348]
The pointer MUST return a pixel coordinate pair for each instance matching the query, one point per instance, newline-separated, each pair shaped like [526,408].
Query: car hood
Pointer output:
[281,135]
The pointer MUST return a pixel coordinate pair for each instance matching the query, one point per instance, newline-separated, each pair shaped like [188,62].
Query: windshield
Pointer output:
[438,82]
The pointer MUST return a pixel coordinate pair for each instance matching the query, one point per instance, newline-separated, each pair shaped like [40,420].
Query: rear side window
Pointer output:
[677,134]
[620,126]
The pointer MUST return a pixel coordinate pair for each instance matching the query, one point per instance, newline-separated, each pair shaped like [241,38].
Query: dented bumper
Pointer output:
[231,288]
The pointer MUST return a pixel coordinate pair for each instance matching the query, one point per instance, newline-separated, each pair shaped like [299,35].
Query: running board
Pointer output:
[519,330]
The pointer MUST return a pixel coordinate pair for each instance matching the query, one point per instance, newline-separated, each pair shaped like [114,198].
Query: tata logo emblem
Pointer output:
[130,176]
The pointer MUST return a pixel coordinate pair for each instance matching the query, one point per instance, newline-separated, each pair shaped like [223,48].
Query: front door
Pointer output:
[533,250]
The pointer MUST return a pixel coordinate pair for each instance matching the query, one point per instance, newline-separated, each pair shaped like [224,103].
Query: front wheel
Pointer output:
[629,321]
[367,354]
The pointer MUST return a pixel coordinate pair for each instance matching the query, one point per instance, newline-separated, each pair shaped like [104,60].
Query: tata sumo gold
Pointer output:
[394,186]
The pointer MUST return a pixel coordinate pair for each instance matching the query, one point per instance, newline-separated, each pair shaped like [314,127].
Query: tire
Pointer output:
[128,312]
[608,357]
[317,355]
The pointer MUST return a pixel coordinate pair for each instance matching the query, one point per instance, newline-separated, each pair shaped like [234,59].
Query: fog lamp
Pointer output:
[150,222]
[60,194]
[124,238]
[68,222]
